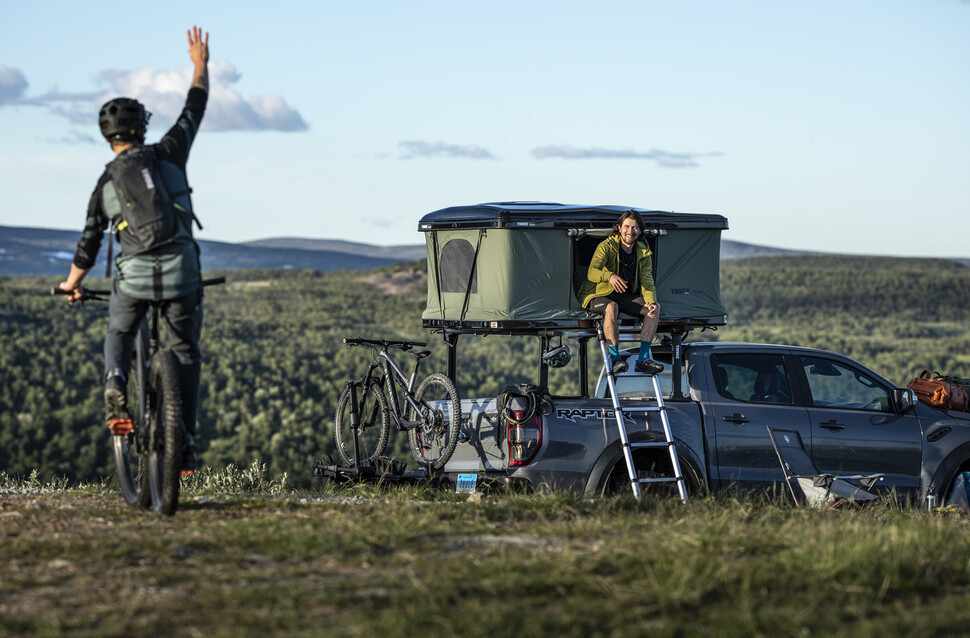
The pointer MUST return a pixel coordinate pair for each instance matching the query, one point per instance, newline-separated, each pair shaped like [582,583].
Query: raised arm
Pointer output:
[199,53]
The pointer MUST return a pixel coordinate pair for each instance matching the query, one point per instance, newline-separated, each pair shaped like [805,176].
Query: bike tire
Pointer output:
[433,442]
[374,427]
[167,445]
[131,463]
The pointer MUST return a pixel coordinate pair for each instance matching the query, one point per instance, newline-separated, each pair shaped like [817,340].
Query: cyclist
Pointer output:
[171,272]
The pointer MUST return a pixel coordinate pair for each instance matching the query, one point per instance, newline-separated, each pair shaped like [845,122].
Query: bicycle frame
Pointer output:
[392,372]
[388,379]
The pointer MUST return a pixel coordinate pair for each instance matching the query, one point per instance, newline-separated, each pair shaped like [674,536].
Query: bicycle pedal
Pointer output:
[121,426]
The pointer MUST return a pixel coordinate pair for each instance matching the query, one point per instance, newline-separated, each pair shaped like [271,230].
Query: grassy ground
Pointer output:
[411,562]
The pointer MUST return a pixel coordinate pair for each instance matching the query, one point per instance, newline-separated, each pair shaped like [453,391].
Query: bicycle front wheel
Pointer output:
[374,424]
[433,442]
[167,434]
[131,461]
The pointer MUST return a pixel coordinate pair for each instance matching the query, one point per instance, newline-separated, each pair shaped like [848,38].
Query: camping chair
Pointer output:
[818,488]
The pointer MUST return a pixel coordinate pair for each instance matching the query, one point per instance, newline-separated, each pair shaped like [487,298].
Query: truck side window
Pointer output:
[836,385]
[757,378]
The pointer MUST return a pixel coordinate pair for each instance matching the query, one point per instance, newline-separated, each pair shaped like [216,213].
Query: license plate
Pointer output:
[466,483]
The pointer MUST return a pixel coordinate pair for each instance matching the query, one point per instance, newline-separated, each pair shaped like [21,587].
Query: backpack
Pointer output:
[537,398]
[940,391]
[148,210]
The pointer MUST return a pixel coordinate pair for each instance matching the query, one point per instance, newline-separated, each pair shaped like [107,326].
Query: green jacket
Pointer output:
[606,262]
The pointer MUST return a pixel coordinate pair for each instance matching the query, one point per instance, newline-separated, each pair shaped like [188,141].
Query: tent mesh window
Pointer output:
[457,259]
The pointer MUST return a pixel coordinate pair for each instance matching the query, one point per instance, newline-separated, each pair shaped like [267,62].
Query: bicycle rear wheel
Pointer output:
[131,462]
[167,434]
[433,442]
[373,427]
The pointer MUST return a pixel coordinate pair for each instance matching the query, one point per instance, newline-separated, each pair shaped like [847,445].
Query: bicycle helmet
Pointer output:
[558,357]
[122,119]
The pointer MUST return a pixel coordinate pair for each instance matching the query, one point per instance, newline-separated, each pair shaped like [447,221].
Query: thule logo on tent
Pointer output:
[680,291]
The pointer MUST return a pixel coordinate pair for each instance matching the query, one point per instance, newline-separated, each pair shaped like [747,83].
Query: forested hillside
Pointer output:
[274,364]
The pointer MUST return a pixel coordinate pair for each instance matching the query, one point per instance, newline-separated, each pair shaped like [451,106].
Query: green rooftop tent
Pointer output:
[518,265]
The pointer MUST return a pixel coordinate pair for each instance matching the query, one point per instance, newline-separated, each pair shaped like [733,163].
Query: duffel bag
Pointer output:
[939,392]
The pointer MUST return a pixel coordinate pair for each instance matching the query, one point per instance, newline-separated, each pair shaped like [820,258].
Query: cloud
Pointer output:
[163,93]
[665,159]
[12,84]
[413,149]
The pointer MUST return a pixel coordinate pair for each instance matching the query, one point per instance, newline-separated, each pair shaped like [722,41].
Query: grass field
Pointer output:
[407,561]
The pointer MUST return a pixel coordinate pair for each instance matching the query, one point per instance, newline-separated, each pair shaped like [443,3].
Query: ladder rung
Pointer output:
[652,444]
[665,479]
[651,409]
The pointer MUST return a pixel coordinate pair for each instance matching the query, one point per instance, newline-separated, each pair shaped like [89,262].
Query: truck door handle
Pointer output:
[831,424]
[736,418]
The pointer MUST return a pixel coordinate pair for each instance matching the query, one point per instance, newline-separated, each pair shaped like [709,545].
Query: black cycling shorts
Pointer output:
[627,302]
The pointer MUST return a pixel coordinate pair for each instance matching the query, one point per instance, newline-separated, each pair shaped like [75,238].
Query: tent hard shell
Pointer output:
[519,265]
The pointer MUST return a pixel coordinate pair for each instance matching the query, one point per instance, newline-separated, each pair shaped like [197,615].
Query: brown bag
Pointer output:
[938,391]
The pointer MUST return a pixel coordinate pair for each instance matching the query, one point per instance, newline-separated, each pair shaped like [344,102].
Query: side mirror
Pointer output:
[904,399]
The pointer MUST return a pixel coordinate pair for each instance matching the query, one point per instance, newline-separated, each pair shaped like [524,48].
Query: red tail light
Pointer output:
[524,438]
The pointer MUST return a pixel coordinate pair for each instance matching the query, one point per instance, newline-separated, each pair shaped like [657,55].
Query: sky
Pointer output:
[831,125]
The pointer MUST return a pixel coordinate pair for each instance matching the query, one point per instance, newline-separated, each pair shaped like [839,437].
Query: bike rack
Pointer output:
[376,469]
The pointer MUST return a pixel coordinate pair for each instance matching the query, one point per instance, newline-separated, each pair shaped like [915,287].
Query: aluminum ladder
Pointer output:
[628,447]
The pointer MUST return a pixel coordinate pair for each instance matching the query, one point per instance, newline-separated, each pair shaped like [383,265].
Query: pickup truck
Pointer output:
[516,268]
[720,399]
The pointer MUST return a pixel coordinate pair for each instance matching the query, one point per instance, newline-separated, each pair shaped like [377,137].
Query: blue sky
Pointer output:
[839,126]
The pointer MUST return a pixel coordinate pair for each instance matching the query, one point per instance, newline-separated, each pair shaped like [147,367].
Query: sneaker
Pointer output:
[648,366]
[116,405]
[189,463]
[618,365]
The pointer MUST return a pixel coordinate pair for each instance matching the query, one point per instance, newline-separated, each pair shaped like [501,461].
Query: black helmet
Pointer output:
[557,358]
[122,119]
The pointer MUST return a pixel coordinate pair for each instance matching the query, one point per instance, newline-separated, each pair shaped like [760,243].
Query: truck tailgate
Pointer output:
[481,440]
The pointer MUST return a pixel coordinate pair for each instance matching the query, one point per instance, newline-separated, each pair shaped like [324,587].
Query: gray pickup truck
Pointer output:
[514,269]
[850,421]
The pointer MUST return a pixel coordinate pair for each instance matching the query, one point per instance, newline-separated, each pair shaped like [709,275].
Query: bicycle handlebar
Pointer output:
[102,295]
[384,343]
[86,293]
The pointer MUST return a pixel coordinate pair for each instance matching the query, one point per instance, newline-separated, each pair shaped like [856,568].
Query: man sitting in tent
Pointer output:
[622,266]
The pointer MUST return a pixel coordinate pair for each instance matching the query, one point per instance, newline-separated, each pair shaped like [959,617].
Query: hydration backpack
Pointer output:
[148,210]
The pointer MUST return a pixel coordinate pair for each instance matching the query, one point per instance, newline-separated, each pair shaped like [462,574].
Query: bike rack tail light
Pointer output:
[525,437]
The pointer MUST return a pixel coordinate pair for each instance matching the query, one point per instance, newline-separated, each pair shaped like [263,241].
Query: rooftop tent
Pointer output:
[519,265]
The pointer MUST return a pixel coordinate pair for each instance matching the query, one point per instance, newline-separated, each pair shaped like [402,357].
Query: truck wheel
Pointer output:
[617,482]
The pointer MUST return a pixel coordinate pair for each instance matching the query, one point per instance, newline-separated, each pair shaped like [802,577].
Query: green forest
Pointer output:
[274,364]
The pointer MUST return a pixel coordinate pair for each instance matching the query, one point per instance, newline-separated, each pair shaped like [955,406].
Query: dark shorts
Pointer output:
[628,303]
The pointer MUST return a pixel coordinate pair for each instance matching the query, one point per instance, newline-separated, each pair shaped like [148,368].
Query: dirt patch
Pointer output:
[402,282]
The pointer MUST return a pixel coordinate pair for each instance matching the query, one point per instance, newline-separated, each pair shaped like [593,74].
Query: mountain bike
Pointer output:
[149,447]
[430,415]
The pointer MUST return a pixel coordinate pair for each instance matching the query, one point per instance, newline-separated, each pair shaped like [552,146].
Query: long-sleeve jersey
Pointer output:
[172,270]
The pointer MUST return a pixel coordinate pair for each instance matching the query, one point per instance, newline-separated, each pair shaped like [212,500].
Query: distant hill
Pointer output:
[398,253]
[729,249]
[44,251]
[40,251]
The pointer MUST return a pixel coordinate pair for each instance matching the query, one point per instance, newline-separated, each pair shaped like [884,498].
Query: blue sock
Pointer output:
[614,351]
[644,350]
